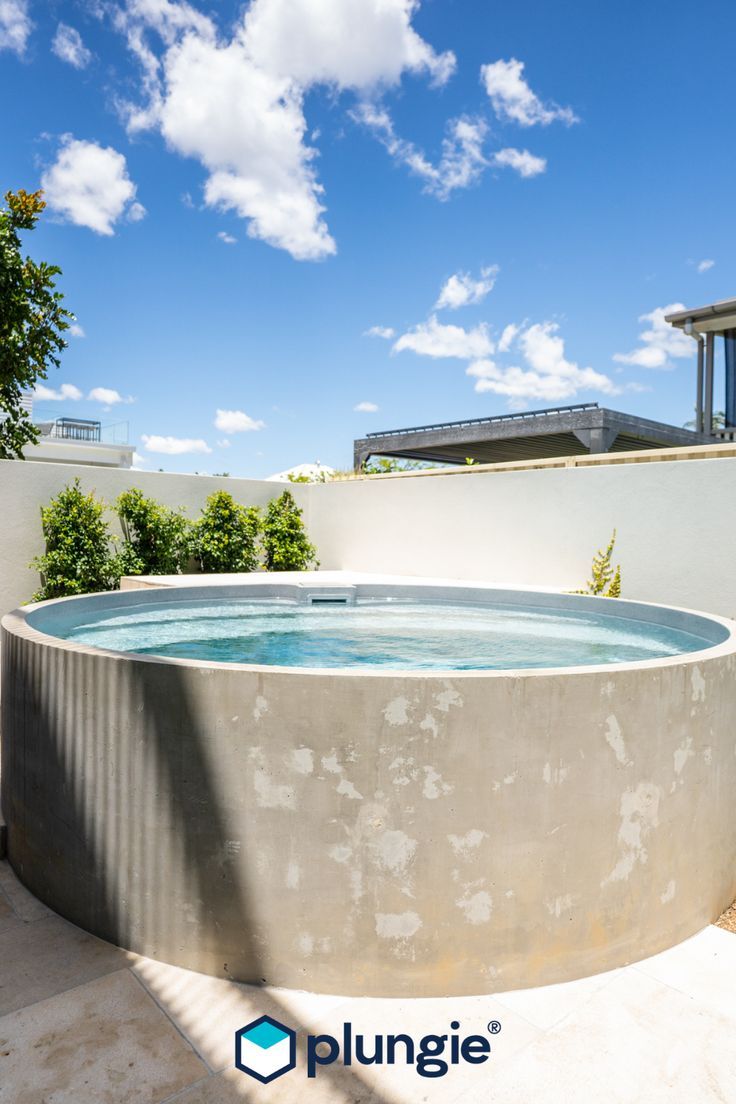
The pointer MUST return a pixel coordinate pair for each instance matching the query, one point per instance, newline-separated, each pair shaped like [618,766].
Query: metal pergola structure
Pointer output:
[529,435]
[704,325]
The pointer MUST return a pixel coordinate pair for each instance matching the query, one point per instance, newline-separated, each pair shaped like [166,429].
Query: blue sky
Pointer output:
[568,168]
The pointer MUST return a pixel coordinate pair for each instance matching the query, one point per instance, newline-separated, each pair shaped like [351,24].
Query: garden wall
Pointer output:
[676,523]
[26,486]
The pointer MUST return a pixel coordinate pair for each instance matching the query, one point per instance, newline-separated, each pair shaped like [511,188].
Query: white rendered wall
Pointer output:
[676,523]
[26,486]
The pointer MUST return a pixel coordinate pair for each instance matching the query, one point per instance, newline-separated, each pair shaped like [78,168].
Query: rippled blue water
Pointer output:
[397,634]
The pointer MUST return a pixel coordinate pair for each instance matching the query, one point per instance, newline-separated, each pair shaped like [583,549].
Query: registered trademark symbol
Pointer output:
[494,1027]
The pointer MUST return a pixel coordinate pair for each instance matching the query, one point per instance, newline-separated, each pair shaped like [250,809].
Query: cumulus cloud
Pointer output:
[236,421]
[347,43]
[228,239]
[69,47]
[462,290]
[433,339]
[513,100]
[15,25]
[237,105]
[136,212]
[703,266]
[174,446]
[461,162]
[67,392]
[660,343]
[108,396]
[88,185]
[523,162]
[508,336]
[549,375]
[75,330]
[380,331]
[365,408]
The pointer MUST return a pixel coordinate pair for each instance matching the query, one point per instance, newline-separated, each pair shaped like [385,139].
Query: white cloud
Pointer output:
[522,161]
[660,343]
[432,339]
[88,184]
[513,100]
[139,461]
[174,446]
[75,330]
[549,377]
[228,239]
[508,337]
[136,212]
[108,395]
[365,408]
[461,290]
[15,25]
[380,331]
[703,266]
[68,46]
[347,43]
[67,392]
[462,160]
[235,421]
[237,105]
[223,443]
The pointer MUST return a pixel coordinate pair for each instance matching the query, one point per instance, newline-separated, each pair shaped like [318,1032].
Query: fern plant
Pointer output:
[605,580]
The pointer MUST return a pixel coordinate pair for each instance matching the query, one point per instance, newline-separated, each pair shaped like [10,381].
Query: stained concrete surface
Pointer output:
[109,1028]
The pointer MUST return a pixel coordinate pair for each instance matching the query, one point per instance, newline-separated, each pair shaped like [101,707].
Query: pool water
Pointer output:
[393,633]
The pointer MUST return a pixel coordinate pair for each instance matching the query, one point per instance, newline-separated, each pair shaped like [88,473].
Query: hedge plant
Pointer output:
[157,539]
[79,556]
[225,537]
[285,541]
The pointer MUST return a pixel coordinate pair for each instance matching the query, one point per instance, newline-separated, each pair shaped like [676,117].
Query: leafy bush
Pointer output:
[285,541]
[78,557]
[605,581]
[225,537]
[157,539]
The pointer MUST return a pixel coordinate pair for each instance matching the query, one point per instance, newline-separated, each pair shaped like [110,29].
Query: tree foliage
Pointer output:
[79,556]
[285,541]
[32,321]
[225,537]
[157,539]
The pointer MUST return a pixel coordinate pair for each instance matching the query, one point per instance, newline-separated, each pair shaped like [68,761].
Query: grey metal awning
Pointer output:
[534,434]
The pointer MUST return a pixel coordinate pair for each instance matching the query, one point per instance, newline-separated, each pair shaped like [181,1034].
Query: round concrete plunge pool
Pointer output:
[372,788]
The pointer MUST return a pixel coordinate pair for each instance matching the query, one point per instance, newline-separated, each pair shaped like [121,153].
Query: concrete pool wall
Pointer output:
[367,832]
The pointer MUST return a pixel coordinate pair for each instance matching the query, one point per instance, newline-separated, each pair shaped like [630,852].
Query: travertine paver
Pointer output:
[101,1043]
[95,1025]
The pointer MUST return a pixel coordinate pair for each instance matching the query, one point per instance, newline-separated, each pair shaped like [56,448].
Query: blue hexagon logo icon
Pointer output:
[265,1049]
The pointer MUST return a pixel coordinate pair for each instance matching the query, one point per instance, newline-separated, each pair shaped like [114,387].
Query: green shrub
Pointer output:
[157,539]
[78,557]
[225,537]
[285,541]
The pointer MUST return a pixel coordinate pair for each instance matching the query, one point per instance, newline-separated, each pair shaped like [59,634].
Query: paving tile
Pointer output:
[40,959]
[547,1005]
[7,916]
[635,1041]
[208,1011]
[234,1087]
[104,1043]
[26,906]
[703,967]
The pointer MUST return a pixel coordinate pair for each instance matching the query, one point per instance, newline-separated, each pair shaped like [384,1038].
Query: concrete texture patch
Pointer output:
[546,1005]
[232,1087]
[103,1043]
[704,967]
[48,957]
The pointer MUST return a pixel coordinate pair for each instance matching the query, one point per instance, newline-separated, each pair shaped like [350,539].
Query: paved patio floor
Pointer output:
[82,1022]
